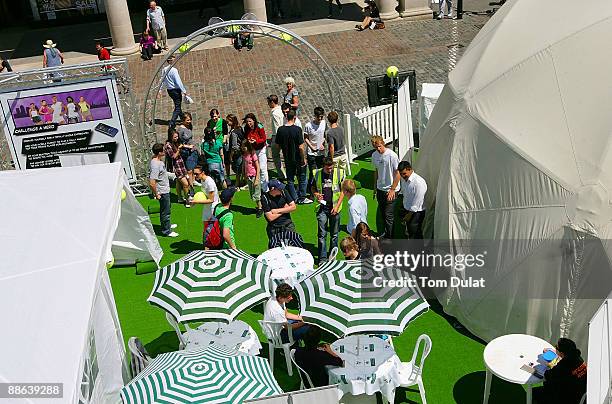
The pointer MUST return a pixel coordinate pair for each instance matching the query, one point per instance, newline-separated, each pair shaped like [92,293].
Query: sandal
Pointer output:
[358,27]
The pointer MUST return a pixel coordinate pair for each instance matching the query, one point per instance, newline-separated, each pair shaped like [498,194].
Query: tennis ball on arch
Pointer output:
[110,263]
[184,48]
[286,37]
[123,194]
[392,72]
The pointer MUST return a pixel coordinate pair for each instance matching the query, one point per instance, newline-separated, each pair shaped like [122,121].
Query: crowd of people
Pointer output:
[310,164]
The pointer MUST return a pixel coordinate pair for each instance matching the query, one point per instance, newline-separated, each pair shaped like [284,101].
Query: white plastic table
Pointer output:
[370,365]
[236,335]
[505,355]
[289,264]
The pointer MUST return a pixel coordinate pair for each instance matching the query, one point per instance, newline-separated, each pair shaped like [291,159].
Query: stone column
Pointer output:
[414,8]
[257,7]
[387,9]
[120,26]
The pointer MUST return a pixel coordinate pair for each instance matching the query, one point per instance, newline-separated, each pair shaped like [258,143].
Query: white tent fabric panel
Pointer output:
[518,152]
[599,382]
[54,289]
[430,92]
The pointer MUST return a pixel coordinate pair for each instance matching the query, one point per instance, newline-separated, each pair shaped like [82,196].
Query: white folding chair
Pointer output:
[332,254]
[175,325]
[272,331]
[140,359]
[410,374]
[301,373]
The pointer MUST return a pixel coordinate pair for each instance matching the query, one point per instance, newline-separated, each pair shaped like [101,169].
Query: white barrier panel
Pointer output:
[599,377]
[319,395]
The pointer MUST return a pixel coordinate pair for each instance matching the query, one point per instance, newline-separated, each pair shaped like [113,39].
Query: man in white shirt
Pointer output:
[156,24]
[209,188]
[314,137]
[278,118]
[285,107]
[276,311]
[413,188]
[357,206]
[171,81]
[387,180]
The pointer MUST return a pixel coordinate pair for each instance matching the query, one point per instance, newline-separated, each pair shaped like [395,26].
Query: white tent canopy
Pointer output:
[518,151]
[60,322]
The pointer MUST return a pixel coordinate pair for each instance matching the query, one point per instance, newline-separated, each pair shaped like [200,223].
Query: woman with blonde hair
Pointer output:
[292,95]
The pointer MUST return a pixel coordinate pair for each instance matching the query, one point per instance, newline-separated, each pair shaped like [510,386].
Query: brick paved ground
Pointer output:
[238,82]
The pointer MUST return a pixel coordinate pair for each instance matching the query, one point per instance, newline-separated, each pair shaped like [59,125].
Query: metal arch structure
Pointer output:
[227,29]
[116,68]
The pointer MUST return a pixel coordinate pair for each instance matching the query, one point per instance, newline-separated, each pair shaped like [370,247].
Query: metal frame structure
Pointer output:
[116,67]
[228,29]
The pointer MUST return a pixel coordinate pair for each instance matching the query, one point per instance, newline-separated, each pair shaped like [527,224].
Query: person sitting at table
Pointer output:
[315,356]
[566,382]
[349,248]
[276,311]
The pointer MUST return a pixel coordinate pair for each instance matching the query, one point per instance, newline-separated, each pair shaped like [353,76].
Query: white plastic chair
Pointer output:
[175,325]
[140,358]
[332,254]
[272,331]
[301,373]
[410,374]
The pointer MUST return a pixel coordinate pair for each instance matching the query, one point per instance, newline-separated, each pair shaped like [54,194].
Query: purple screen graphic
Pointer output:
[95,107]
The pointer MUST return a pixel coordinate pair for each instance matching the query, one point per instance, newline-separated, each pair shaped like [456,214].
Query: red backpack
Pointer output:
[212,235]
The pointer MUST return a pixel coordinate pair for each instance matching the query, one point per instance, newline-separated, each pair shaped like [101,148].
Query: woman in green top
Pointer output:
[221,130]
[212,150]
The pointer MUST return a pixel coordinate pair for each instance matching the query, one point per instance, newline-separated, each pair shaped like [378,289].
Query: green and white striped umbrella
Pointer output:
[213,375]
[347,297]
[211,285]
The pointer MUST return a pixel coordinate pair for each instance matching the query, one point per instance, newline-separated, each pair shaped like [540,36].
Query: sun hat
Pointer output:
[49,44]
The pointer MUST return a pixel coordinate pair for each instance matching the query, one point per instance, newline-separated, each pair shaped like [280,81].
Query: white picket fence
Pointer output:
[364,124]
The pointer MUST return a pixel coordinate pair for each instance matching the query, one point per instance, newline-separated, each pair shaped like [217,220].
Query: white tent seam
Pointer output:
[64,264]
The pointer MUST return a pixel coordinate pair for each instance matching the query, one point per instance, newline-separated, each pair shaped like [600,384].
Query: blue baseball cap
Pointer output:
[227,194]
[276,184]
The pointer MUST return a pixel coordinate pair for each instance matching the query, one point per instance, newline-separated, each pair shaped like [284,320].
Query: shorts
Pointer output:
[190,158]
[254,190]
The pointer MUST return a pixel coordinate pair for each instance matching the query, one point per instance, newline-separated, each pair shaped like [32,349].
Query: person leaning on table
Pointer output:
[566,382]
[314,356]
[276,311]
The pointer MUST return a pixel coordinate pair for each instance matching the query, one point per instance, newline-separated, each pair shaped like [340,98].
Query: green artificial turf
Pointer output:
[453,372]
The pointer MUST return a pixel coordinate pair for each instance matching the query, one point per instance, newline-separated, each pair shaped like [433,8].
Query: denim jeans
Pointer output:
[164,213]
[299,172]
[386,209]
[327,222]
[298,333]
[217,172]
[314,162]
[177,99]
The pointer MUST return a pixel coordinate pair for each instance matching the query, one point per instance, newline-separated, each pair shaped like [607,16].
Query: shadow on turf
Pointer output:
[166,342]
[470,389]
[436,307]
[185,246]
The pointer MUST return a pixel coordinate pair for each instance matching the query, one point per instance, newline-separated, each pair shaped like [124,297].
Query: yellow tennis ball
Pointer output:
[123,194]
[184,48]
[392,71]
[286,37]
[200,197]
[110,263]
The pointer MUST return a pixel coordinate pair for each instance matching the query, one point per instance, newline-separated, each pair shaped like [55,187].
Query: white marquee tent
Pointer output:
[60,322]
[599,387]
[518,151]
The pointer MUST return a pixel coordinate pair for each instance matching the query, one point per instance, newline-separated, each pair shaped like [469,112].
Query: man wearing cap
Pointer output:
[277,205]
[171,81]
[52,57]
[226,222]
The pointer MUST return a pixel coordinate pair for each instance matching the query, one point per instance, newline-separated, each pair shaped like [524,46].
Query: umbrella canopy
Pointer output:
[208,375]
[345,297]
[518,153]
[211,285]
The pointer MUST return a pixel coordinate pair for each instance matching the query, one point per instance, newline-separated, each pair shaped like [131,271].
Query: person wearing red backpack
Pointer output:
[219,229]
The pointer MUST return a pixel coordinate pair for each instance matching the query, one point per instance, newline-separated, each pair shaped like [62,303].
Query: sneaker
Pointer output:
[173,234]
[244,188]
[181,201]
[187,204]
[173,226]
[259,213]
[305,201]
